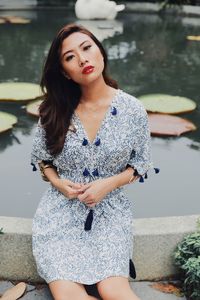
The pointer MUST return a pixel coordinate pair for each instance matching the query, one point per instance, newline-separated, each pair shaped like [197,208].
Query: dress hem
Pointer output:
[85,283]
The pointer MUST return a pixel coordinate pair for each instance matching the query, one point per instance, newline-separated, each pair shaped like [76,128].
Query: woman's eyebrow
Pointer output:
[72,49]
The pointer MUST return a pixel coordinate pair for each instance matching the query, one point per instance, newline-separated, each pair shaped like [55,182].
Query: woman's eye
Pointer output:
[69,58]
[87,47]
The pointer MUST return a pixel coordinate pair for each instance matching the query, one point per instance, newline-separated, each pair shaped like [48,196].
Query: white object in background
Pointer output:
[97,9]
[102,29]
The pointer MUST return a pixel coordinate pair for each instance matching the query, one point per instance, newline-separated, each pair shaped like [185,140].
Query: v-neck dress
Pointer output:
[71,240]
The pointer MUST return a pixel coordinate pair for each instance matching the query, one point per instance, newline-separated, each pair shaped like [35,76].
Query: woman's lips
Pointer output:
[88,70]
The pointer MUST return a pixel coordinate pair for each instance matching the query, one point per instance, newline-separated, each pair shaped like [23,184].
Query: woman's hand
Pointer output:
[67,187]
[93,192]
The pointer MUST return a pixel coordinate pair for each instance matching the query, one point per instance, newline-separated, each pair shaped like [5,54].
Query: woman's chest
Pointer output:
[111,144]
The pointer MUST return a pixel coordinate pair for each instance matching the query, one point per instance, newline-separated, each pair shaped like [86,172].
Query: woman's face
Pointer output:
[79,51]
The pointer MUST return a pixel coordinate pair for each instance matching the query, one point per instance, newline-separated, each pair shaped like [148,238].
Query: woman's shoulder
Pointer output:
[131,102]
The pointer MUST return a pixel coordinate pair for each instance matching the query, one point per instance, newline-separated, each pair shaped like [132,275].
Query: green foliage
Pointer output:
[171,3]
[176,2]
[187,258]
[198,224]
[167,2]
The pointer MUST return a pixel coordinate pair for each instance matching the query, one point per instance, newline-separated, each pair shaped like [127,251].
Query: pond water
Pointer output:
[148,54]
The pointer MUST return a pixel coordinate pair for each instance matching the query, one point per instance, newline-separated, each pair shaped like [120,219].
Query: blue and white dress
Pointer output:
[71,240]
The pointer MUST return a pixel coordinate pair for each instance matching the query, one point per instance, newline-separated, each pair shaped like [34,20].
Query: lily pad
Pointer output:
[167,104]
[15,20]
[6,121]
[167,125]
[19,91]
[193,38]
[32,108]
[2,21]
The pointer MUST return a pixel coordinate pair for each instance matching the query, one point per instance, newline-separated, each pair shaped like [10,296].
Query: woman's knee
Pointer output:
[109,287]
[114,288]
[67,290]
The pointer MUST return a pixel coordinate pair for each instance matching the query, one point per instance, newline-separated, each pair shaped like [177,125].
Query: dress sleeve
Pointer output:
[39,151]
[141,155]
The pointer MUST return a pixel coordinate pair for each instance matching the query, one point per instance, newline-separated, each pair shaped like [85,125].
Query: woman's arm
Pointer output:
[115,180]
[65,186]
[76,190]
[52,176]
[94,191]
[122,178]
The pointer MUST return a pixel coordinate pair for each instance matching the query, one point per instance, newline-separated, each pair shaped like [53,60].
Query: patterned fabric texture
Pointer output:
[63,246]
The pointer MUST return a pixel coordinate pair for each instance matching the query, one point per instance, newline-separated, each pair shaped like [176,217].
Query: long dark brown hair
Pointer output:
[61,95]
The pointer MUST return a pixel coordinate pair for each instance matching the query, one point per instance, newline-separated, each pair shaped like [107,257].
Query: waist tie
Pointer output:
[89,219]
[88,225]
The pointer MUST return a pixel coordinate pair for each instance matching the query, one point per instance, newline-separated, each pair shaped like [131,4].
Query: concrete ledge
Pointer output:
[154,242]
[147,7]
[142,7]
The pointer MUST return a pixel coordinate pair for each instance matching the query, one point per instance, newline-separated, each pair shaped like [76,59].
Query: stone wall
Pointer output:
[154,242]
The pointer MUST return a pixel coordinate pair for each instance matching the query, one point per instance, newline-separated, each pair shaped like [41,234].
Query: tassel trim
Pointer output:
[85,142]
[89,219]
[98,141]
[157,170]
[45,162]
[34,167]
[132,271]
[145,176]
[86,172]
[114,111]
[141,179]
[95,172]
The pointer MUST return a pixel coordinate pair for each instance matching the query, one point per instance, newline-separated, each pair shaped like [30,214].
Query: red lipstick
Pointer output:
[87,70]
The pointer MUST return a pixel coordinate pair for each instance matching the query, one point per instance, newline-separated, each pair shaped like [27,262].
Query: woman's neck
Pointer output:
[94,93]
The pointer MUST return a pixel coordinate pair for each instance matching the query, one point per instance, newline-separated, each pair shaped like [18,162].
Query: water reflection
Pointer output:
[103,29]
[24,125]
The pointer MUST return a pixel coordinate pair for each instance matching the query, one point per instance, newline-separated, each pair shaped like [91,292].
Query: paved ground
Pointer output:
[42,292]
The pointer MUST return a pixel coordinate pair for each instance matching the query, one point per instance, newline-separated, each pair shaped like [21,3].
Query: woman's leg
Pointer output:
[68,290]
[116,288]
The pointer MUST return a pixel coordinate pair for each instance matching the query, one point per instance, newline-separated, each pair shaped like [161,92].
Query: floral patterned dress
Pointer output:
[71,240]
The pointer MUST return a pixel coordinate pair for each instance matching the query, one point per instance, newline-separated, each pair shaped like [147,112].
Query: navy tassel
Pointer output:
[86,172]
[34,167]
[85,142]
[97,143]
[141,179]
[88,222]
[145,176]
[132,154]
[95,172]
[114,111]
[132,271]
[157,170]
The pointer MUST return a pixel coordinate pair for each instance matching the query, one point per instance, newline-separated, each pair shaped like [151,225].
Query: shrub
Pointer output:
[187,259]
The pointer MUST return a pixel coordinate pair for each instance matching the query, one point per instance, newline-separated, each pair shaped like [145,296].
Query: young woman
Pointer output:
[91,139]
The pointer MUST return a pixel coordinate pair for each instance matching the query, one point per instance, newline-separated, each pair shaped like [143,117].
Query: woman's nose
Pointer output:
[82,60]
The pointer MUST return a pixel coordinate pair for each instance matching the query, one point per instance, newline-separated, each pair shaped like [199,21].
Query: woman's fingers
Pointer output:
[82,196]
[70,192]
[84,187]
[75,185]
[75,190]
[91,205]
